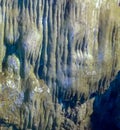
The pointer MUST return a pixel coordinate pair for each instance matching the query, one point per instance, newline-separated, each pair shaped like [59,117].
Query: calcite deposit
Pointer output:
[56,58]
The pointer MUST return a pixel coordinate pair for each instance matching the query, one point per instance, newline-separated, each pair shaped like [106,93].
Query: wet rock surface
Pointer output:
[57,58]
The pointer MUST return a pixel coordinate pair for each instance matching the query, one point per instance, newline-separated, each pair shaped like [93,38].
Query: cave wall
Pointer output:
[71,46]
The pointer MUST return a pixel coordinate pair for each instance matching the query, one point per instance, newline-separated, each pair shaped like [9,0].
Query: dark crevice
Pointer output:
[106,108]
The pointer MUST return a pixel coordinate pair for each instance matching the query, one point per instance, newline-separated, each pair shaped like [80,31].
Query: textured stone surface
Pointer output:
[55,57]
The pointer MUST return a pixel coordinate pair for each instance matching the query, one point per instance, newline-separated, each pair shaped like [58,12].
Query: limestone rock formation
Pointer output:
[56,56]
